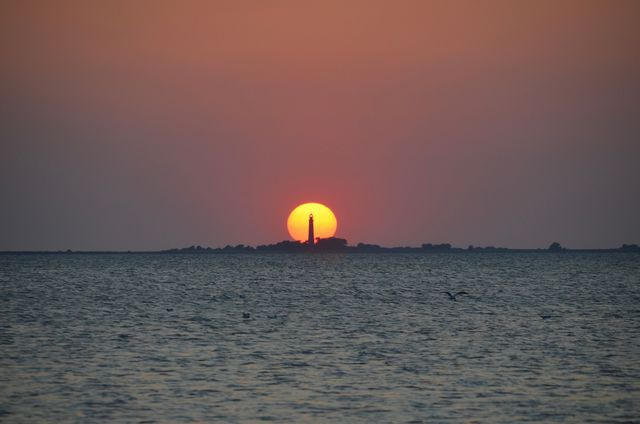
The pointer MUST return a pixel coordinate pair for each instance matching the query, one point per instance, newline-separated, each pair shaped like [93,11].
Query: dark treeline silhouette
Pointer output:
[335,244]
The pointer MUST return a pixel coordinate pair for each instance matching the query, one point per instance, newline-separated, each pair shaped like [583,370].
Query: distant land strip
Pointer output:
[334,244]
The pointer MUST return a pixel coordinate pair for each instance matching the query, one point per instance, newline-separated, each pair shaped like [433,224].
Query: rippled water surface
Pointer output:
[330,338]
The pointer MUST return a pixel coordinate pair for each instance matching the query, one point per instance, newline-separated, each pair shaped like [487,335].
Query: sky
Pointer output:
[151,124]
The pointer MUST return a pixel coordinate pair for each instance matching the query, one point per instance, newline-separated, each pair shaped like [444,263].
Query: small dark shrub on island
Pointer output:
[283,246]
[331,244]
[630,248]
[443,247]
[555,247]
[364,247]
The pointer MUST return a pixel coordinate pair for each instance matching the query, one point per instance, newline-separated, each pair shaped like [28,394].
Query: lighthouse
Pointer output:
[311,237]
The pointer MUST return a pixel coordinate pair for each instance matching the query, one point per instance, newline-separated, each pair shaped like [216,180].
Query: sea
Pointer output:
[320,338]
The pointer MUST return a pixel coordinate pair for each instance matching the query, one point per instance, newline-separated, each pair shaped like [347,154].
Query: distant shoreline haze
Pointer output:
[335,244]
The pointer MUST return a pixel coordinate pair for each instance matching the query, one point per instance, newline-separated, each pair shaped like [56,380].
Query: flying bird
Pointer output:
[453,296]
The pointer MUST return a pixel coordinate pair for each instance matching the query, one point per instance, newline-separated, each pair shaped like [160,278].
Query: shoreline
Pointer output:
[389,250]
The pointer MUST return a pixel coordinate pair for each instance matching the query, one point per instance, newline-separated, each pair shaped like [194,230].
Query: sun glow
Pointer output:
[324,221]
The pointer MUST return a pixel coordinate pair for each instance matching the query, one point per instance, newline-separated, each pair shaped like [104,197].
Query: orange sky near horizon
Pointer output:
[144,125]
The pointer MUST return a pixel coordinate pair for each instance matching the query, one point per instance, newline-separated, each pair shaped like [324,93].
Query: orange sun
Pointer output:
[324,221]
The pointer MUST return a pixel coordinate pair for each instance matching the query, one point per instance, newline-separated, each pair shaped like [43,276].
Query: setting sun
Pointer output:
[324,221]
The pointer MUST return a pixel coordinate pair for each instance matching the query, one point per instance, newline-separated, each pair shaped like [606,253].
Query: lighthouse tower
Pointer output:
[312,239]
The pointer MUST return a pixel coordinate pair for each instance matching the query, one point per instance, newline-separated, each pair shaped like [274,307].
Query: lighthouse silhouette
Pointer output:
[311,237]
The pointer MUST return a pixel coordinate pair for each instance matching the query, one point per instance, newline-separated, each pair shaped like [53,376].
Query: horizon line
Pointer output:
[426,247]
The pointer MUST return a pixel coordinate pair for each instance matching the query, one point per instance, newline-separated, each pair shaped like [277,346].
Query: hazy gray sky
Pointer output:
[148,125]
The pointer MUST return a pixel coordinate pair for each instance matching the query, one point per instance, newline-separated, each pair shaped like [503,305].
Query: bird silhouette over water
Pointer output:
[453,296]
